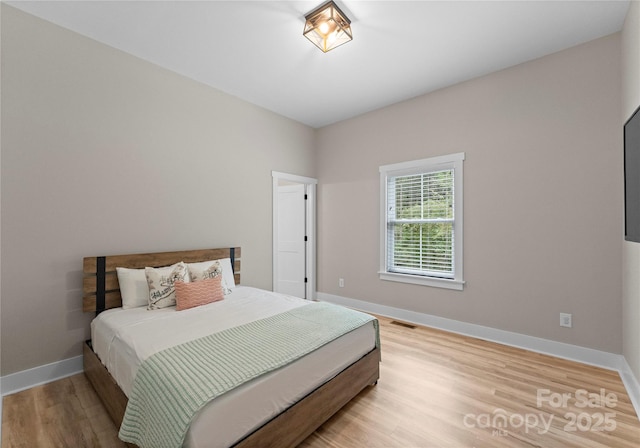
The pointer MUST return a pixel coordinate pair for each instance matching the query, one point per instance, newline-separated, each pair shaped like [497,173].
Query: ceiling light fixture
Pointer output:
[327,27]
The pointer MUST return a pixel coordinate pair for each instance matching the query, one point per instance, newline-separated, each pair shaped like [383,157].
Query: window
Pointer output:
[421,222]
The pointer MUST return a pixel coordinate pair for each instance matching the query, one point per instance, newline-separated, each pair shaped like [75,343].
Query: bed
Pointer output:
[278,409]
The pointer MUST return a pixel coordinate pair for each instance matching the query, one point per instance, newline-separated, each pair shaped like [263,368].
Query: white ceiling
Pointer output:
[401,49]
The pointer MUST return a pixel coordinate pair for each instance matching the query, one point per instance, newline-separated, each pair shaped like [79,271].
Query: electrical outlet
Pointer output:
[565,320]
[341,282]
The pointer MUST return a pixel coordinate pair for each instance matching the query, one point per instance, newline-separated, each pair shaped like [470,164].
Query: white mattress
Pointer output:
[122,339]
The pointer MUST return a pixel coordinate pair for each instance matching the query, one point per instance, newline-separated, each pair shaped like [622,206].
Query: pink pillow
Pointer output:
[192,294]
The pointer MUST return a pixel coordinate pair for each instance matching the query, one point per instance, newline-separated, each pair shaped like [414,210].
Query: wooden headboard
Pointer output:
[100,287]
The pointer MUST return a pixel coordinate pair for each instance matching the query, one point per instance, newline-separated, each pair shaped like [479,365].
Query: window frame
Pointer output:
[432,164]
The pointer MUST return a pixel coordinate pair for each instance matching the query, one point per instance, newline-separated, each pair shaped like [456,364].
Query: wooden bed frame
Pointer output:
[101,291]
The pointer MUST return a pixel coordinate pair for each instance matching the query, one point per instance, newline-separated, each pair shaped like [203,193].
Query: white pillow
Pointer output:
[227,272]
[162,291]
[209,269]
[134,288]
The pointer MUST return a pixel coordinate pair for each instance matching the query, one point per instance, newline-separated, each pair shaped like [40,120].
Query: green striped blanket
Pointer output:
[172,385]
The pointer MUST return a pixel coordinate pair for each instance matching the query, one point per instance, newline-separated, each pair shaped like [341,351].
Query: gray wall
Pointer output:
[103,153]
[543,196]
[631,253]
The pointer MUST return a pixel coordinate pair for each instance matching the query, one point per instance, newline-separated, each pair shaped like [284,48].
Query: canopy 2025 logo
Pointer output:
[595,416]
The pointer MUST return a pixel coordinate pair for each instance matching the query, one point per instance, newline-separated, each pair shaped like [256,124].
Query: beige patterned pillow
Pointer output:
[162,291]
[208,269]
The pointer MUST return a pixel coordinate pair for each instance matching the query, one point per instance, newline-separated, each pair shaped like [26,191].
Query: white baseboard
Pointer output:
[631,384]
[27,379]
[584,355]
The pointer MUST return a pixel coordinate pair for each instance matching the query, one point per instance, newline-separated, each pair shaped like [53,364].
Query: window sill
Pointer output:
[424,281]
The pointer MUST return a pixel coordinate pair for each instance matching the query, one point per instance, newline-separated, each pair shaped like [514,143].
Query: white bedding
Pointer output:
[122,339]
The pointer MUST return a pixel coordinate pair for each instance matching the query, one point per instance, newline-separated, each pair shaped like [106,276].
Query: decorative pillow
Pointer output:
[133,287]
[162,292]
[212,269]
[190,295]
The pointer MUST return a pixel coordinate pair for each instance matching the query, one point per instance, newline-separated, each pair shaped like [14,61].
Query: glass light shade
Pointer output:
[327,27]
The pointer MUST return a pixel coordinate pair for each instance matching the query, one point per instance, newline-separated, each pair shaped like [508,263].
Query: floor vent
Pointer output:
[403,324]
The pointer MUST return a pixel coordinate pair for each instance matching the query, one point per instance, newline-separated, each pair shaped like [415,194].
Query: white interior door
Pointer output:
[291,244]
[294,235]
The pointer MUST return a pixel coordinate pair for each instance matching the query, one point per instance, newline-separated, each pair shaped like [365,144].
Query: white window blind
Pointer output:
[422,235]
[420,224]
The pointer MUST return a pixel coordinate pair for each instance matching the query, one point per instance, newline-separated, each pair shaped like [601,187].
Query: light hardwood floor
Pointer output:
[436,389]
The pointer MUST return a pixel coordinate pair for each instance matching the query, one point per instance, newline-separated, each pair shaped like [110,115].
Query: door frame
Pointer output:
[310,224]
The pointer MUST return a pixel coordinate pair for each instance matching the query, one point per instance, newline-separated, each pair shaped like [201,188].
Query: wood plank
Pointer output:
[158,259]
[110,283]
[65,413]
[113,299]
